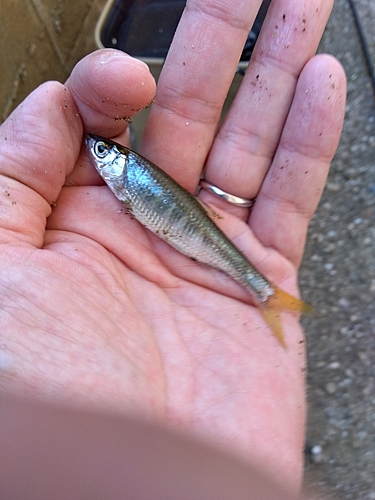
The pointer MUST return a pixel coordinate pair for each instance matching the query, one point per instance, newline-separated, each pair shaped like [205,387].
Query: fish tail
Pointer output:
[281,301]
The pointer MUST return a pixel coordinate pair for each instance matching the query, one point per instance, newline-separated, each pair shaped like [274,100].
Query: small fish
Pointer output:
[172,213]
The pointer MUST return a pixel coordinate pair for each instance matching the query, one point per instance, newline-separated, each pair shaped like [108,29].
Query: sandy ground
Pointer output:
[46,37]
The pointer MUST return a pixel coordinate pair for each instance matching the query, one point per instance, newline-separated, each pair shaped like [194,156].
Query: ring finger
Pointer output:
[248,137]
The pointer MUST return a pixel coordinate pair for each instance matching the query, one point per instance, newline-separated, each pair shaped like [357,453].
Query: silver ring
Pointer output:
[235,200]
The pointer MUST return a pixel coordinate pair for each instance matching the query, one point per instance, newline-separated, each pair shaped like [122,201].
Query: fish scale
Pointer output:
[168,210]
[191,232]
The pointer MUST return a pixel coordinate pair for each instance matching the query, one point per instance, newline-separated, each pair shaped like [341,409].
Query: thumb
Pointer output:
[39,145]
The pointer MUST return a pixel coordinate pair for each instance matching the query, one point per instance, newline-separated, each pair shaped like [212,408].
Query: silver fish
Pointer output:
[172,213]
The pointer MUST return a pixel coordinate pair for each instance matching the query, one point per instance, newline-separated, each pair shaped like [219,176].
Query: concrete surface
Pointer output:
[42,39]
[338,277]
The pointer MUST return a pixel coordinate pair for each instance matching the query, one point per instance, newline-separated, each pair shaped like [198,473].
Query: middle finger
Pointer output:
[248,138]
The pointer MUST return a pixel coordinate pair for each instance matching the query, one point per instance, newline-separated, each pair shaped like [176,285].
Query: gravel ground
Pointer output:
[338,278]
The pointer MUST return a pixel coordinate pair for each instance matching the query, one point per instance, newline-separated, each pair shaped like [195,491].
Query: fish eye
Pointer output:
[101,149]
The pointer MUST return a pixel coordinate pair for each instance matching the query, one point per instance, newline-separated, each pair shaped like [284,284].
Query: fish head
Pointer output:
[108,157]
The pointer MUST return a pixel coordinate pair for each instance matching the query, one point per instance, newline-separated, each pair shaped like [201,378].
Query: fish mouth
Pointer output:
[90,139]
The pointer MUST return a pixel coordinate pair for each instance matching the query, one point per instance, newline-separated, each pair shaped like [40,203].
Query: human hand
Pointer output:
[95,310]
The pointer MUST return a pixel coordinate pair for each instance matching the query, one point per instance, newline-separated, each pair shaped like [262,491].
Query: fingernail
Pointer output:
[116,56]
[107,56]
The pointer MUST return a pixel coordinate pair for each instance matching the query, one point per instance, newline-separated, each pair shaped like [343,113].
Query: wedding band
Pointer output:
[235,200]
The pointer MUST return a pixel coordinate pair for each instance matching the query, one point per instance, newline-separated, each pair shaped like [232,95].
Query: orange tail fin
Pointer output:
[278,302]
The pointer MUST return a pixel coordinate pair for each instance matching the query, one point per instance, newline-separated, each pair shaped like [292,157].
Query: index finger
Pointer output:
[197,74]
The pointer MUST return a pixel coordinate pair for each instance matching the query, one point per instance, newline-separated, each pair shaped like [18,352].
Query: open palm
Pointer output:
[95,310]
